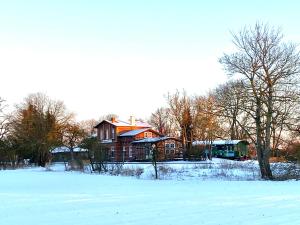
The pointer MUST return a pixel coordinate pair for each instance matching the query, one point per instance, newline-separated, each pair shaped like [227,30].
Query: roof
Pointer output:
[152,140]
[133,132]
[120,123]
[219,142]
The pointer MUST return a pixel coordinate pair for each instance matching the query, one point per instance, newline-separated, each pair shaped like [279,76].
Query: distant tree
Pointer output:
[206,124]
[181,113]
[7,152]
[161,121]
[4,122]
[88,126]
[108,117]
[229,100]
[73,134]
[97,153]
[269,70]
[37,127]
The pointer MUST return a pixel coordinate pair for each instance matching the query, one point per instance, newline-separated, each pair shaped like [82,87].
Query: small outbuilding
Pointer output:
[234,149]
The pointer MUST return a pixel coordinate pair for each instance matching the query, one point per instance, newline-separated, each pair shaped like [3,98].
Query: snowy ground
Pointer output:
[36,196]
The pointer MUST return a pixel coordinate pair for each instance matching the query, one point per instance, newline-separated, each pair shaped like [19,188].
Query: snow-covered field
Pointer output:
[35,196]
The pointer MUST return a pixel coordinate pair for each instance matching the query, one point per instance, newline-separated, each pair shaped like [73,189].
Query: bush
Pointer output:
[285,171]
[117,169]
[293,152]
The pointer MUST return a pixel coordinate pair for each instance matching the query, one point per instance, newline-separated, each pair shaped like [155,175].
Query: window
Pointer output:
[130,151]
[106,134]
[170,145]
[112,133]
[147,153]
[123,153]
[148,135]
[112,151]
[101,134]
[167,152]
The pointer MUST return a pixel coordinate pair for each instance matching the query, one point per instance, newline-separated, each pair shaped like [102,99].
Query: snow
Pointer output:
[120,123]
[66,149]
[133,132]
[218,142]
[151,140]
[38,196]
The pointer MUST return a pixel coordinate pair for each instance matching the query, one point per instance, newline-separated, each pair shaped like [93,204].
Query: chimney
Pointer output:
[113,119]
[132,120]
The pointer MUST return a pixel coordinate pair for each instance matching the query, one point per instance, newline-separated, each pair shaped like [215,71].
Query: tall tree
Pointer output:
[269,69]
[37,127]
[206,124]
[73,134]
[181,112]
[4,122]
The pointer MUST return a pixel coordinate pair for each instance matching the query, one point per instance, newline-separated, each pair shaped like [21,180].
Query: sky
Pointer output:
[124,57]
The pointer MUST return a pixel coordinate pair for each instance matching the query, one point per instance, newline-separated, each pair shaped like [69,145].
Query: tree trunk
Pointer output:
[267,149]
[262,152]
[72,161]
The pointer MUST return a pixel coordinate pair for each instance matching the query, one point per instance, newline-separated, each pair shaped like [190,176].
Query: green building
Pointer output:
[233,149]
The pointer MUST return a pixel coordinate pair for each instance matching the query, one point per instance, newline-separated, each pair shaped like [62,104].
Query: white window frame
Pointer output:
[106,134]
[130,152]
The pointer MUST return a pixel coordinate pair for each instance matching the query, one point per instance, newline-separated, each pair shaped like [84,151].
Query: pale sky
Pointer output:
[124,56]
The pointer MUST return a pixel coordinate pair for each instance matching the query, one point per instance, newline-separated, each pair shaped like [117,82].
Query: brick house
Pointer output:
[133,140]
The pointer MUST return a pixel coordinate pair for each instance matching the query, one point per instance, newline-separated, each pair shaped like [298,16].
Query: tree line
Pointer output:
[259,103]
[38,125]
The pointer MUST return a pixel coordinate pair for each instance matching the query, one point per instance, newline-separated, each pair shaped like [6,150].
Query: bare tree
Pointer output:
[73,134]
[88,126]
[161,121]
[206,124]
[269,69]
[181,112]
[229,100]
[108,117]
[4,121]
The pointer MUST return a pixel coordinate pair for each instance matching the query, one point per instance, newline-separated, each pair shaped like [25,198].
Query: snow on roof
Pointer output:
[142,124]
[120,123]
[151,140]
[219,142]
[133,132]
[65,149]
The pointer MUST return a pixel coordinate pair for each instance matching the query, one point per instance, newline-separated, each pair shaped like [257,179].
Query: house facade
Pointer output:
[133,140]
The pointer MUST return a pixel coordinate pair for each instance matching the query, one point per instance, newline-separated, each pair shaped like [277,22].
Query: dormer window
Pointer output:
[147,135]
